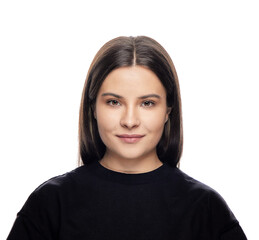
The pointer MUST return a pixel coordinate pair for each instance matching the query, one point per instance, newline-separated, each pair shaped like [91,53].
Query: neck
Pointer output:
[131,165]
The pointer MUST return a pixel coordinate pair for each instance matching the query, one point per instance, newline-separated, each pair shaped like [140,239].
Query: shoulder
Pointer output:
[191,185]
[52,192]
[210,203]
[41,212]
[61,182]
[187,185]
[198,192]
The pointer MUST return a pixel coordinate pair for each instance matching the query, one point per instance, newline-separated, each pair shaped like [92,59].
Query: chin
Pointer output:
[132,155]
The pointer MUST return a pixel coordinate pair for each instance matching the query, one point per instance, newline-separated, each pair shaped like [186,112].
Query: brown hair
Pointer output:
[122,52]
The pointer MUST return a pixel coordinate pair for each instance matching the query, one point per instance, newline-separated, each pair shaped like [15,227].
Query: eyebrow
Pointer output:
[141,97]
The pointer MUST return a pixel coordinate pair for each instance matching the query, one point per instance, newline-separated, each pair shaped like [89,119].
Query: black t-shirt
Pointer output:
[93,202]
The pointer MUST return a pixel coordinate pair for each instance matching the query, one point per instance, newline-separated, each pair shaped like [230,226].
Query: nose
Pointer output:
[130,118]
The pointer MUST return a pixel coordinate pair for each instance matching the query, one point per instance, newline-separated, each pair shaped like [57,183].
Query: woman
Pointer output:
[130,144]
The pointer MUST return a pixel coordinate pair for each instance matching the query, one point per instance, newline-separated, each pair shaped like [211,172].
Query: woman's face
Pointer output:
[131,112]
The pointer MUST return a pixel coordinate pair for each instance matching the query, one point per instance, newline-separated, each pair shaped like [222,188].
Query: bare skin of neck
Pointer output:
[132,165]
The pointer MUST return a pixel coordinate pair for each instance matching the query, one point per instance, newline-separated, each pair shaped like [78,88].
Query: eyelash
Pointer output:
[149,102]
[109,102]
[116,103]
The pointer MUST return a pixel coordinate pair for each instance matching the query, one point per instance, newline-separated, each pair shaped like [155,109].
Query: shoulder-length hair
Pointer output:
[125,52]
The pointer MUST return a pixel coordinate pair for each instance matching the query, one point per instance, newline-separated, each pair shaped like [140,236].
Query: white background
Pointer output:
[46,48]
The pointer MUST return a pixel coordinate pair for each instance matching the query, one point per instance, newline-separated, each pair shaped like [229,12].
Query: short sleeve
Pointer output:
[235,232]
[24,228]
[38,218]
[224,224]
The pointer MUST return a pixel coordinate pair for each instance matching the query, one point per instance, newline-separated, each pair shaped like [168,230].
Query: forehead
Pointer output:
[135,80]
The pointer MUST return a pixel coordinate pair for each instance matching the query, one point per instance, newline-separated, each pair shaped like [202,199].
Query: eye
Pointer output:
[148,104]
[113,103]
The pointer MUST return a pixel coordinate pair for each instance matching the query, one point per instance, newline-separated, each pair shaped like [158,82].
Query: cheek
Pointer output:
[105,120]
[155,123]
[155,128]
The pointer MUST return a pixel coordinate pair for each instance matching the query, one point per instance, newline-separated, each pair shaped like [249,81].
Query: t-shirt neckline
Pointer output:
[128,178]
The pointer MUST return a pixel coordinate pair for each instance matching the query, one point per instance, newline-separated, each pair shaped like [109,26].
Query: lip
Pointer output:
[130,138]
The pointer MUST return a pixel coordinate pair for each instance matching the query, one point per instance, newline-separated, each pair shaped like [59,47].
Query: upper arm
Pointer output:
[39,216]
[224,224]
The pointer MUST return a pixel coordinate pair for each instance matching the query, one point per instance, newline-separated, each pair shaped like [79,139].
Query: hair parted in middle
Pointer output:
[125,52]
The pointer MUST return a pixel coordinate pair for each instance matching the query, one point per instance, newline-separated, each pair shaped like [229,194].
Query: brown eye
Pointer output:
[148,104]
[113,103]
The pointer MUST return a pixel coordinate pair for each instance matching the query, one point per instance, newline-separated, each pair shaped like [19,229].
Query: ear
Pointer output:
[167,113]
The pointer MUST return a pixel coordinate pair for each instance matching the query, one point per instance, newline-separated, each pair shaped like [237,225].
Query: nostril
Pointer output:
[130,119]
[130,123]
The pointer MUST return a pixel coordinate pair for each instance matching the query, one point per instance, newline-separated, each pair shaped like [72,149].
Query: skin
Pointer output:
[131,100]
